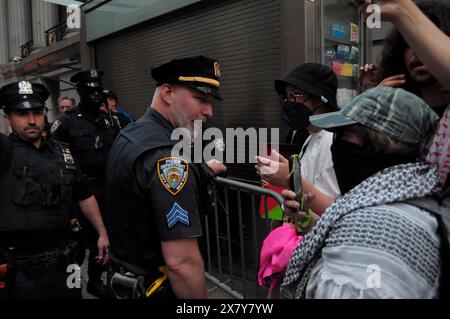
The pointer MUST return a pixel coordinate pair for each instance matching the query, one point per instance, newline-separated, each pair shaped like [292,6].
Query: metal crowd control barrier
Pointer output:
[234,234]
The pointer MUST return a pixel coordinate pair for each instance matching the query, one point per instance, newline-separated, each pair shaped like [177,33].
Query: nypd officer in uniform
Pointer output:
[90,134]
[38,182]
[154,198]
[120,116]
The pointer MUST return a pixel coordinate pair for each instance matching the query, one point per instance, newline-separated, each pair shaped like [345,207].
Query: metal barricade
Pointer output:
[234,234]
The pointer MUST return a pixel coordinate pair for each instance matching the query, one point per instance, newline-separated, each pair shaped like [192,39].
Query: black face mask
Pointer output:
[296,115]
[354,163]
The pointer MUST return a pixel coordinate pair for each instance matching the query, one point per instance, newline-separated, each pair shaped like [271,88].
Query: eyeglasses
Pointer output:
[296,97]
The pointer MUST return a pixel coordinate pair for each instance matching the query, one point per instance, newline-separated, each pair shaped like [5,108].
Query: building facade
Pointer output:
[36,45]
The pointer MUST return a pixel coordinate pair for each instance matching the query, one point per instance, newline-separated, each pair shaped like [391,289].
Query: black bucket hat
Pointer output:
[312,78]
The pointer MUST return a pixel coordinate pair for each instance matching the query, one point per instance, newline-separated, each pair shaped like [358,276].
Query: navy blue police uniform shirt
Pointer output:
[173,188]
[46,152]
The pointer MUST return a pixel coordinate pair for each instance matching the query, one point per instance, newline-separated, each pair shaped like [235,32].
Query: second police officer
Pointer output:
[38,181]
[90,134]
[116,113]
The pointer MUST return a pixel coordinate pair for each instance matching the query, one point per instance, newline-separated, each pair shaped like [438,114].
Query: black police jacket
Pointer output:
[38,187]
[89,137]
[5,153]
[137,212]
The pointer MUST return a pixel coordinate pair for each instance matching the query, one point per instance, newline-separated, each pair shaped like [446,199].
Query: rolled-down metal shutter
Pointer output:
[243,35]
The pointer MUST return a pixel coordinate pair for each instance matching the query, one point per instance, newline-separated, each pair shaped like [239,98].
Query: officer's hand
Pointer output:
[216,166]
[273,169]
[103,249]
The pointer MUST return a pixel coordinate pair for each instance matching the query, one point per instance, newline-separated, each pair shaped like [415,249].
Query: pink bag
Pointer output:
[275,254]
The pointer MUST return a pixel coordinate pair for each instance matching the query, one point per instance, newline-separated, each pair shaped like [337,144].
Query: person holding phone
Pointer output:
[309,89]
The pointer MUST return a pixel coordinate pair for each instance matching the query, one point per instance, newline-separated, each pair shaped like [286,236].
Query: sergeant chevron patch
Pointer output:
[173,173]
[177,214]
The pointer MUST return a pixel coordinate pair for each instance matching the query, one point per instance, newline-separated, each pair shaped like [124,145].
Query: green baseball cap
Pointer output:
[395,112]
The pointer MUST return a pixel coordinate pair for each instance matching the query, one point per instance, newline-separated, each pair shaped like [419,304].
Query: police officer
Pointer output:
[115,112]
[90,134]
[38,182]
[153,198]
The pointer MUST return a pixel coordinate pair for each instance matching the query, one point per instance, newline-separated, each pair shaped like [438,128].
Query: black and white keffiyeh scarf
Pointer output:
[394,184]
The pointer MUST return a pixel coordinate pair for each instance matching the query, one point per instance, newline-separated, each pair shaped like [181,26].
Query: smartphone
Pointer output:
[295,179]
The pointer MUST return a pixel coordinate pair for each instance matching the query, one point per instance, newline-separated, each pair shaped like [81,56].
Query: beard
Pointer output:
[424,80]
[420,75]
[182,121]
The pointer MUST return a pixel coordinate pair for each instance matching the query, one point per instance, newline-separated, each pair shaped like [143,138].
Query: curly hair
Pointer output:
[392,61]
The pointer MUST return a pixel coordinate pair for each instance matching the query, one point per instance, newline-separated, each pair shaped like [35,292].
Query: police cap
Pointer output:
[90,78]
[200,73]
[109,94]
[23,95]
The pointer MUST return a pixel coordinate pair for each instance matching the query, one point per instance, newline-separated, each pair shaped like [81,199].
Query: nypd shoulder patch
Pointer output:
[173,173]
[177,215]
[55,126]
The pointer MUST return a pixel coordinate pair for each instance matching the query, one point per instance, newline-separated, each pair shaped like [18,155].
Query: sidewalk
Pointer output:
[214,292]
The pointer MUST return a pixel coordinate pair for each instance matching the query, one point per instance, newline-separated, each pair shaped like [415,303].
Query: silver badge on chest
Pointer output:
[68,158]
